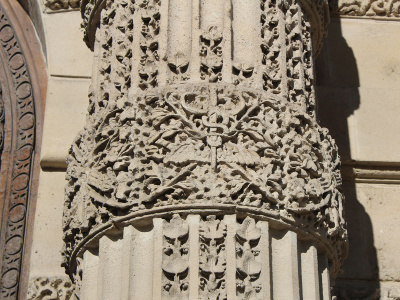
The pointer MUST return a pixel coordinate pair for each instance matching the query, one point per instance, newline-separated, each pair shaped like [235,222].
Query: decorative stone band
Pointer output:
[189,256]
[61,5]
[18,138]
[205,147]
[377,9]
[355,8]
[317,12]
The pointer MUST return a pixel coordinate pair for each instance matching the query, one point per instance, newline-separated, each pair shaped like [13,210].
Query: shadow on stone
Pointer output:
[338,97]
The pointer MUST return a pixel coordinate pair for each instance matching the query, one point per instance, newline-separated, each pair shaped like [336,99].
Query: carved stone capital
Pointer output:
[201,147]
[209,115]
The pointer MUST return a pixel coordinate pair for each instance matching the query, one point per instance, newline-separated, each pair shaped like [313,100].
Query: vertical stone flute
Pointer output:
[201,172]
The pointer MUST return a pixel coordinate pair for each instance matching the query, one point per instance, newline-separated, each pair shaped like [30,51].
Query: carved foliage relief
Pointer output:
[211,54]
[283,45]
[175,265]
[56,5]
[248,270]
[212,258]
[361,8]
[203,145]
[150,29]
[51,288]
[149,145]
[366,8]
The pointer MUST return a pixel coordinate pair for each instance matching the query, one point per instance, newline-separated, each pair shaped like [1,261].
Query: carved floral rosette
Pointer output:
[204,147]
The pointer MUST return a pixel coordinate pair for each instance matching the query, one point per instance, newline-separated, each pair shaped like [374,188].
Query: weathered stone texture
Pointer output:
[20,112]
[56,288]
[193,111]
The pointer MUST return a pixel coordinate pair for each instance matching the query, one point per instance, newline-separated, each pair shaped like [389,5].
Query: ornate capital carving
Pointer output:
[202,146]
[209,114]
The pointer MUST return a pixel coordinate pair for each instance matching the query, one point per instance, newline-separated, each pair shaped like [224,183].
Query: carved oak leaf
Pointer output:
[184,154]
[159,115]
[213,270]
[176,230]
[179,63]
[248,268]
[213,266]
[248,232]
[214,230]
[175,265]
[212,34]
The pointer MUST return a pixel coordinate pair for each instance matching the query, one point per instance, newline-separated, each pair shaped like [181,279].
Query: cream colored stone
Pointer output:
[390,290]
[67,55]
[374,238]
[202,258]
[65,115]
[362,121]
[358,103]
[47,233]
[196,110]
[362,53]
[375,125]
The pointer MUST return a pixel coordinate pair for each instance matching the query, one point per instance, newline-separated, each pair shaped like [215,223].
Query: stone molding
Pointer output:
[18,195]
[379,172]
[22,97]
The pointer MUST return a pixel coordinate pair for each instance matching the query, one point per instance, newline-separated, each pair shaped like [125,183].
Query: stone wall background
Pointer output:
[357,82]
[358,72]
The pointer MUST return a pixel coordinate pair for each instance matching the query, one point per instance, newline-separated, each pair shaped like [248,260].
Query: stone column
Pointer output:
[202,172]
